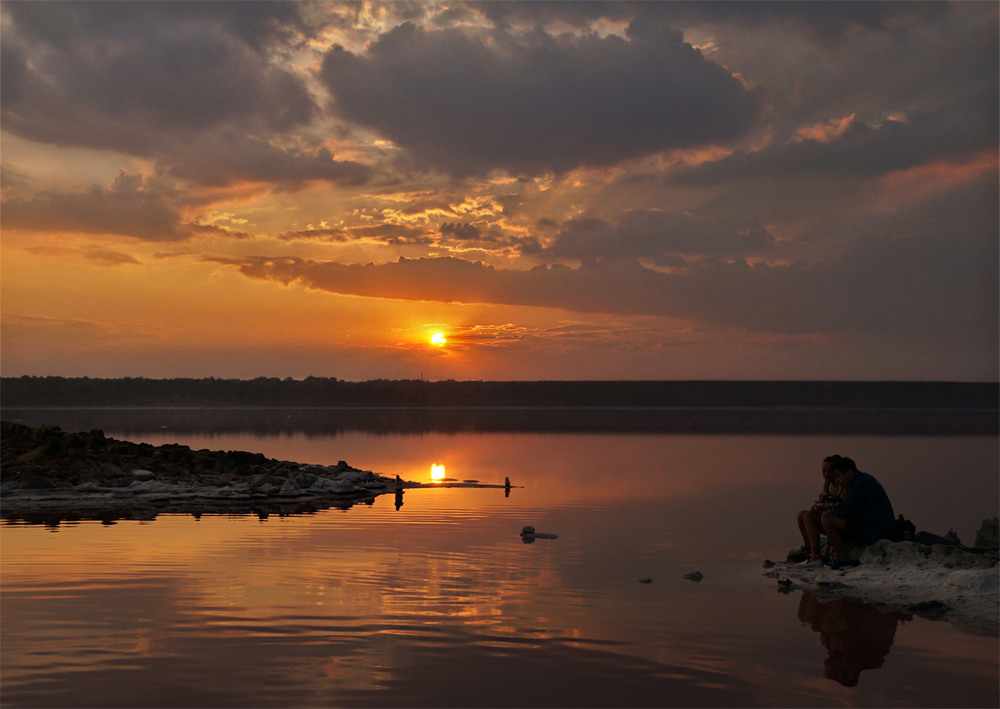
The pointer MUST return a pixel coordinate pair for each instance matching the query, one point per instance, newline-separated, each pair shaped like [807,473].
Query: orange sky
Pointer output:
[564,191]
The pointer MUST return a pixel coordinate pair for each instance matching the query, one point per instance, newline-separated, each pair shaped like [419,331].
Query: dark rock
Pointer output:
[37,482]
[645,580]
[988,536]
[930,539]
[928,607]
[695,576]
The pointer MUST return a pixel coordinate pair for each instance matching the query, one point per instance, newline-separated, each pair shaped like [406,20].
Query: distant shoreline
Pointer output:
[497,419]
[327,391]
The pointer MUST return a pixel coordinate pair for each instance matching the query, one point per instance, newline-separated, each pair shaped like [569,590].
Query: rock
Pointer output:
[826,581]
[767,564]
[526,530]
[695,576]
[139,474]
[37,482]
[338,487]
[928,607]
[289,489]
[645,580]
[988,536]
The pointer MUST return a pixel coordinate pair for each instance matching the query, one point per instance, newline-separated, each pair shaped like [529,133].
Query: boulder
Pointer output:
[289,489]
[988,536]
[337,487]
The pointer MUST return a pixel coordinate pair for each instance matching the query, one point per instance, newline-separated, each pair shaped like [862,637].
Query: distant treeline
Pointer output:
[332,392]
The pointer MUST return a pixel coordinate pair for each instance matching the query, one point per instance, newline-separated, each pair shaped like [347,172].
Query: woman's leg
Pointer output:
[810,525]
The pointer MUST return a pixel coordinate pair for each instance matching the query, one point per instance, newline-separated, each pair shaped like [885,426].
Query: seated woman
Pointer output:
[809,521]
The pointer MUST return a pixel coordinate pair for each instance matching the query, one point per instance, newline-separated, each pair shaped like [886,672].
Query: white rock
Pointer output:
[289,489]
[339,487]
[140,474]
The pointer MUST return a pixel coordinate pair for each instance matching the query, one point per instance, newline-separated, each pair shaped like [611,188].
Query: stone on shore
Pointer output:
[941,581]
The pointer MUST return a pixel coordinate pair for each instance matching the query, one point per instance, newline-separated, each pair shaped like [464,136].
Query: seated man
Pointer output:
[865,515]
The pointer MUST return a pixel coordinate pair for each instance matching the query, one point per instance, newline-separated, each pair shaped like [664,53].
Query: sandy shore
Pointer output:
[938,581]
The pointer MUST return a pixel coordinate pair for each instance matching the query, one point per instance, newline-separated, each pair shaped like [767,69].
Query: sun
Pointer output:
[438,339]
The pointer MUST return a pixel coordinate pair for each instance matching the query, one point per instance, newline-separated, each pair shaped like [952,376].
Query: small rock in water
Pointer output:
[695,576]
[767,564]
[526,530]
[645,580]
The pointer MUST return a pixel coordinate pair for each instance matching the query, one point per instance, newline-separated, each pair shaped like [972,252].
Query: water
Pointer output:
[440,603]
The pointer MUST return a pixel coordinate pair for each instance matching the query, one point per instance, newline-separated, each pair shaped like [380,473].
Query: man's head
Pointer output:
[828,466]
[844,470]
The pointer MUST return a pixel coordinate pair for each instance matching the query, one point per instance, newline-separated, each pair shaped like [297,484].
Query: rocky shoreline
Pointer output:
[48,475]
[939,581]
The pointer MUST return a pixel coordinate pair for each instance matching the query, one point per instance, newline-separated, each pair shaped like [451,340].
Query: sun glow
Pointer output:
[437,471]
[438,339]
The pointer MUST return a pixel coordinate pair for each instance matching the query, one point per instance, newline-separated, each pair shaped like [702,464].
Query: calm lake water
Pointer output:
[439,603]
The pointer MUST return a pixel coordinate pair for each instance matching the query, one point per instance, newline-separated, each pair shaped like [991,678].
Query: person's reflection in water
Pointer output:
[856,636]
[399,498]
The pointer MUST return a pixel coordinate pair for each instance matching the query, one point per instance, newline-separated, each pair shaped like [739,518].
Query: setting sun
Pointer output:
[437,471]
[438,339]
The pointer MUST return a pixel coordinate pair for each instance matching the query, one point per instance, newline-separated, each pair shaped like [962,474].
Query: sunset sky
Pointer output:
[558,190]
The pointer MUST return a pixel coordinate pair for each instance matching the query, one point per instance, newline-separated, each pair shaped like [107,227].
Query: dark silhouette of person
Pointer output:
[506,487]
[810,521]
[863,517]
[857,637]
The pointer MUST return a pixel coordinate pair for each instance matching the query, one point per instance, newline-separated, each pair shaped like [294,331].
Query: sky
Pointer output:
[500,190]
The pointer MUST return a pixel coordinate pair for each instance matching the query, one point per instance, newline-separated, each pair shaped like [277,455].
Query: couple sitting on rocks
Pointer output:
[852,510]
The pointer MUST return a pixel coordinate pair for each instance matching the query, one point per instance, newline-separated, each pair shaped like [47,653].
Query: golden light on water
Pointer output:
[437,471]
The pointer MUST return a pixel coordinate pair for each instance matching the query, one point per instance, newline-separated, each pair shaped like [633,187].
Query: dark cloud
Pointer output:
[863,150]
[128,207]
[220,157]
[827,20]
[188,84]
[135,214]
[534,103]
[658,236]
[120,76]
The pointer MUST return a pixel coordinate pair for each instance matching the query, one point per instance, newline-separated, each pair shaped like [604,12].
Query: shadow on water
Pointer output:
[857,637]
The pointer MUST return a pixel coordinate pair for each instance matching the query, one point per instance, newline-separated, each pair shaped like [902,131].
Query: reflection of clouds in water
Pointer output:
[857,636]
